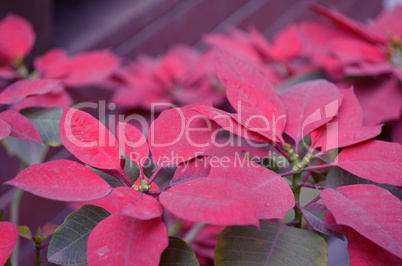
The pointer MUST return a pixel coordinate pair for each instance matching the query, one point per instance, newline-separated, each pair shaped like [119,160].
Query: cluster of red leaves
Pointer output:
[235,194]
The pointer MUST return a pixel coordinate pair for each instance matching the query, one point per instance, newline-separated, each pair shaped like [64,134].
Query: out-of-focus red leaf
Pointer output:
[48,100]
[309,105]
[17,37]
[352,51]
[375,160]
[212,200]
[397,131]
[271,193]
[370,210]
[133,143]
[20,126]
[135,204]
[388,23]
[52,63]
[89,140]
[90,68]
[21,89]
[61,180]
[380,100]
[180,134]
[121,240]
[346,128]
[8,239]
[364,252]
[252,96]
[347,23]
[5,129]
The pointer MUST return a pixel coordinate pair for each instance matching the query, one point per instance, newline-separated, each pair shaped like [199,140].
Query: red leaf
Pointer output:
[186,171]
[135,204]
[48,100]
[252,96]
[17,37]
[20,126]
[179,135]
[90,68]
[61,180]
[389,23]
[52,64]
[89,140]
[21,89]
[5,129]
[8,239]
[229,122]
[349,24]
[309,105]
[272,194]
[375,160]
[133,143]
[211,200]
[370,210]
[121,240]
[345,129]
[364,252]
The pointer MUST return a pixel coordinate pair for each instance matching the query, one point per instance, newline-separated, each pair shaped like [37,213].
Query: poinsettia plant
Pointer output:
[265,179]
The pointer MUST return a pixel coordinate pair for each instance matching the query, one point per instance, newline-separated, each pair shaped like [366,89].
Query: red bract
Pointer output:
[211,200]
[271,194]
[365,252]
[346,127]
[89,140]
[9,237]
[252,96]
[370,210]
[374,160]
[17,38]
[19,90]
[18,126]
[186,134]
[90,68]
[121,240]
[180,77]
[309,105]
[135,204]
[77,183]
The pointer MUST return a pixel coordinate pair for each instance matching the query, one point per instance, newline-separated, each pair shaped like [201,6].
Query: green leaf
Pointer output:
[46,121]
[337,177]
[27,151]
[178,252]
[274,244]
[69,242]
[24,232]
[111,180]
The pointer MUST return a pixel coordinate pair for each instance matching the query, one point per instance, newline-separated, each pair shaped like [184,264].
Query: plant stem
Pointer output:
[14,218]
[312,186]
[314,200]
[296,187]
[151,179]
[38,259]
[193,232]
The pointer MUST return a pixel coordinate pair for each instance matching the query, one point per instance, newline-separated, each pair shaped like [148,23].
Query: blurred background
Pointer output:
[132,27]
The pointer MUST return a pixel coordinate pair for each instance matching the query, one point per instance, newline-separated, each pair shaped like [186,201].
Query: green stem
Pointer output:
[38,259]
[14,218]
[296,191]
